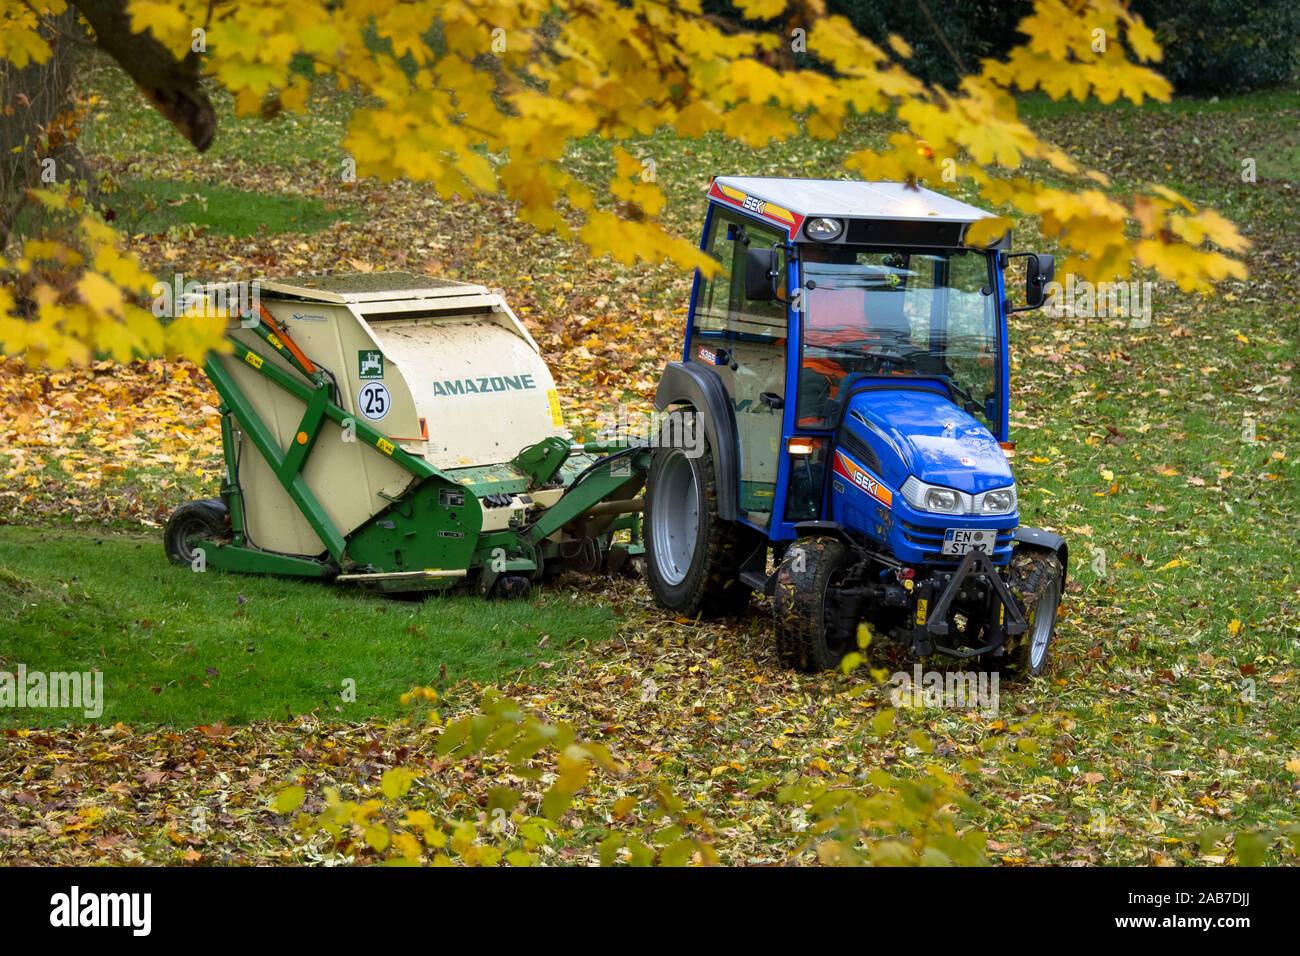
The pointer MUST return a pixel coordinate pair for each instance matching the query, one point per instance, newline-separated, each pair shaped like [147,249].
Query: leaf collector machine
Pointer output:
[402,433]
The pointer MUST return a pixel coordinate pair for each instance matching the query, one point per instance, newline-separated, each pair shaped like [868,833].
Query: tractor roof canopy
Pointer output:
[882,213]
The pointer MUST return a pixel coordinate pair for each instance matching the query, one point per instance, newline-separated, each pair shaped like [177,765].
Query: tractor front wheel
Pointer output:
[692,555]
[1035,581]
[809,634]
[207,518]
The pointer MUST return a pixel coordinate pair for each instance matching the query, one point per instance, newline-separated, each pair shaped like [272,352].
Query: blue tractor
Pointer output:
[848,369]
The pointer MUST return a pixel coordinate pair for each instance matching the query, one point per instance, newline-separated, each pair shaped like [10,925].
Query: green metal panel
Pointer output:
[229,557]
[434,527]
[541,461]
[504,552]
[490,480]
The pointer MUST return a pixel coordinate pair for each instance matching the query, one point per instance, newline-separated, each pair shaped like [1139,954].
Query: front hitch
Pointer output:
[936,624]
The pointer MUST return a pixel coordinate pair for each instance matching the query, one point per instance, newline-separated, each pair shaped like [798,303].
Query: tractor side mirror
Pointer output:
[1041,270]
[759,281]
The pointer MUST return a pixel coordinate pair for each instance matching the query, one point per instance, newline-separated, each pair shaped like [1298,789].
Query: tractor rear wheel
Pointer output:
[809,636]
[693,556]
[207,518]
[1035,581]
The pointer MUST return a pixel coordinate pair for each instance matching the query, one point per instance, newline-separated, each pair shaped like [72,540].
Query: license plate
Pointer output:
[964,540]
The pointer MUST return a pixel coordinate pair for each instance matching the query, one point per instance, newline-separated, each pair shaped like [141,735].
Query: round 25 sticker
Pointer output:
[373,400]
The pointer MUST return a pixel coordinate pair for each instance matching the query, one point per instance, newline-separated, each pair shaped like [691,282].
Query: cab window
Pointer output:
[897,312]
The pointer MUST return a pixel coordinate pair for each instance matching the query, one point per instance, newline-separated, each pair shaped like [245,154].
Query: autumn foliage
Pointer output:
[487,97]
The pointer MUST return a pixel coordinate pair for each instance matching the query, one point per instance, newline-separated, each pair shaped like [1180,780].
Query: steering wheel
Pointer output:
[878,359]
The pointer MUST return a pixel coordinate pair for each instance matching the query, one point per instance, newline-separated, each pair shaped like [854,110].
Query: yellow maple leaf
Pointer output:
[760,9]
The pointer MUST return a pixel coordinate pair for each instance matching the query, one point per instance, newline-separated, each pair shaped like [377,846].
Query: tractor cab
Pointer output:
[849,362]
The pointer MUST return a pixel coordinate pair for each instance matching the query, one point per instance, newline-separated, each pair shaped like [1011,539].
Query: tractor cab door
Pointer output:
[745,343]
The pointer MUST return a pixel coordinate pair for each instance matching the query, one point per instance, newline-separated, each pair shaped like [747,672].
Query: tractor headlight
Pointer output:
[823,230]
[933,497]
[941,499]
[999,501]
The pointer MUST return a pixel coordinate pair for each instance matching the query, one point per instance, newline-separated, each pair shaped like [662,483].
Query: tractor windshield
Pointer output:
[906,313]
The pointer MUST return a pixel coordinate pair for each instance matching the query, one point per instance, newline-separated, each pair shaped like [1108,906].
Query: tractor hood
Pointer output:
[918,431]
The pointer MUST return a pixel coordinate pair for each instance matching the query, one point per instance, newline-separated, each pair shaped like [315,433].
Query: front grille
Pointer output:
[930,541]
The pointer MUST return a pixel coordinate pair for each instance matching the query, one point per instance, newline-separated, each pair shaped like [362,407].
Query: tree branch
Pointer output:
[173,85]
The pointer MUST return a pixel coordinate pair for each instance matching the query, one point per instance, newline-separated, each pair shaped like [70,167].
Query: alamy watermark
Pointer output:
[53,689]
[674,428]
[958,690]
[1083,300]
[208,300]
[133,911]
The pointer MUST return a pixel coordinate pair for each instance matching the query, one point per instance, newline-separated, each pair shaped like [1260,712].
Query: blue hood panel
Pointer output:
[940,443]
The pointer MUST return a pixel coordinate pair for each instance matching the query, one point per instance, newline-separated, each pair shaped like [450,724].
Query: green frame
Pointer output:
[288,465]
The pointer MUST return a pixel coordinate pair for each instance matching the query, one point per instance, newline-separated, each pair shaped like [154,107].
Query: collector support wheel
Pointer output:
[692,555]
[207,518]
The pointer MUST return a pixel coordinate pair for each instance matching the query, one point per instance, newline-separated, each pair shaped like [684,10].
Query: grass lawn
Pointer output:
[181,648]
[154,206]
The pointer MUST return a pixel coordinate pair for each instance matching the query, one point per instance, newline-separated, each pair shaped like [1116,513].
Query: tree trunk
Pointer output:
[32,99]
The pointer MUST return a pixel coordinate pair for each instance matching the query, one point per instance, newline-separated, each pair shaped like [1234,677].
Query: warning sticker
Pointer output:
[557,416]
